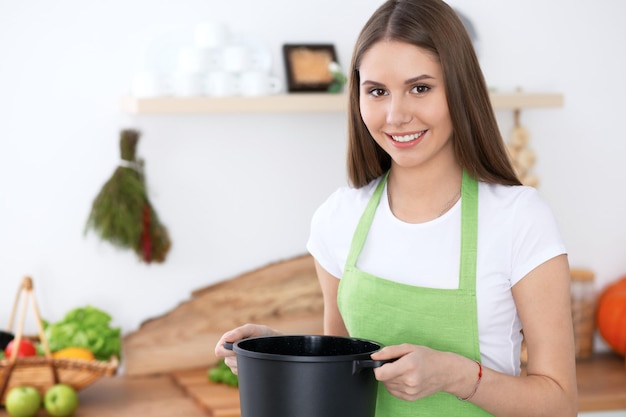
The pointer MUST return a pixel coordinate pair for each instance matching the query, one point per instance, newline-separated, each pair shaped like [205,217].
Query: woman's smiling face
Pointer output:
[403,103]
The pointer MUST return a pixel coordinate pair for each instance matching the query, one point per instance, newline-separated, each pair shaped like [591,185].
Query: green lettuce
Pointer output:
[86,327]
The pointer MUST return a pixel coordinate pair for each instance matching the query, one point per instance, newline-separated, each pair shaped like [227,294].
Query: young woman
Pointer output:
[437,251]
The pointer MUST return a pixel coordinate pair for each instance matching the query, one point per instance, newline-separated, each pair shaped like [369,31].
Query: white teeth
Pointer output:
[407,138]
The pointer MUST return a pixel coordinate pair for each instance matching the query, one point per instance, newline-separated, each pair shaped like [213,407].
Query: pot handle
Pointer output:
[228,345]
[359,365]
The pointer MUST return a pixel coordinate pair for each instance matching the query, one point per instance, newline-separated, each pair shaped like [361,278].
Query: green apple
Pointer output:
[60,400]
[23,401]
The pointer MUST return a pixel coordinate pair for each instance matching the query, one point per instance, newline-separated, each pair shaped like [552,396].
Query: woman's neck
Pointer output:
[420,195]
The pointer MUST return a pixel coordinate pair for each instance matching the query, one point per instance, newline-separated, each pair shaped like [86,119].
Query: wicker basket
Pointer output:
[42,372]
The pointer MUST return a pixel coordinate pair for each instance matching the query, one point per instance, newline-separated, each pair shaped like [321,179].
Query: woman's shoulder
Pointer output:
[346,199]
[518,204]
[342,209]
[509,196]
[333,225]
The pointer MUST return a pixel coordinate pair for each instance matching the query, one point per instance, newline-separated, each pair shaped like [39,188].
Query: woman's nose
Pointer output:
[398,112]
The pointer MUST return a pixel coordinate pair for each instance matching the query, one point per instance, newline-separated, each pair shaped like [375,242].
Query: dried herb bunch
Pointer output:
[122,214]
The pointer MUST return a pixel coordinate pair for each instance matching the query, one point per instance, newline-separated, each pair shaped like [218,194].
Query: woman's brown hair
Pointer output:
[434,26]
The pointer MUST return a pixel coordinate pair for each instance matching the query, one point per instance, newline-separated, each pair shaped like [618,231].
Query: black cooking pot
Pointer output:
[306,376]
[5,339]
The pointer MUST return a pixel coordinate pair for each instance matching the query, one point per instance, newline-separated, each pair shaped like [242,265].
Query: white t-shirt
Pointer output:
[517,232]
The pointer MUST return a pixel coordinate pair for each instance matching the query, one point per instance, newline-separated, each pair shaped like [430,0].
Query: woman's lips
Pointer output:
[408,138]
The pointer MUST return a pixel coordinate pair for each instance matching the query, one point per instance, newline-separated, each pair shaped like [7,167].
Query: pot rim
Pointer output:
[305,358]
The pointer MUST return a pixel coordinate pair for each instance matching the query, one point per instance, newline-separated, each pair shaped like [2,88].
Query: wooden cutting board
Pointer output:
[217,400]
[285,295]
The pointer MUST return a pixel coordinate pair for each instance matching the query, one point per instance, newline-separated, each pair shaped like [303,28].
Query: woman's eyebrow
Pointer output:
[419,78]
[370,82]
[407,82]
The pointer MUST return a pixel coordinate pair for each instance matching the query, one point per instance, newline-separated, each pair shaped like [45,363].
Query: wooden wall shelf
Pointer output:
[302,102]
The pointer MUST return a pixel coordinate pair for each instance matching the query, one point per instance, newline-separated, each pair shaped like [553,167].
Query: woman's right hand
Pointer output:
[234,335]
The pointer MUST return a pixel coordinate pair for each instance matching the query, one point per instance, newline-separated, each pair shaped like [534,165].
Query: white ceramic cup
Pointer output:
[236,58]
[259,83]
[188,84]
[193,59]
[189,60]
[147,84]
[221,84]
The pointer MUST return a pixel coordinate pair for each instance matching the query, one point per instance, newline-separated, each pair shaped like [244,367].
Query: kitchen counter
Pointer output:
[601,381]
[119,396]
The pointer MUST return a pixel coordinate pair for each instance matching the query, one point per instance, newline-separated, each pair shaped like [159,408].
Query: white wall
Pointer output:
[237,191]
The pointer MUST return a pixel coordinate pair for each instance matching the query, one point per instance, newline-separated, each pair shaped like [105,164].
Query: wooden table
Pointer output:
[154,396]
[601,382]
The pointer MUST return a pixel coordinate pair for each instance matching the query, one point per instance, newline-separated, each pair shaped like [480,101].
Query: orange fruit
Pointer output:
[74,353]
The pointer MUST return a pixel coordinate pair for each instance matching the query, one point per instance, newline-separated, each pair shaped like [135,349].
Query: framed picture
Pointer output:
[306,66]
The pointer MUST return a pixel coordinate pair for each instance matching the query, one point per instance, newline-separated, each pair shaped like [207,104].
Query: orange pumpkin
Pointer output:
[611,315]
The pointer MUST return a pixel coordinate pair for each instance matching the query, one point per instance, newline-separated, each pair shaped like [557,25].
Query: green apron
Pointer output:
[392,313]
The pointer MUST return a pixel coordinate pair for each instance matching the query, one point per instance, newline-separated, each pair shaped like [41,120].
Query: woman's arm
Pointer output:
[543,303]
[333,323]
[549,386]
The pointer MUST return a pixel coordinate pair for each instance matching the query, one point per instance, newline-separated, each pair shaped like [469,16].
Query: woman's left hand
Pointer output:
[417,372]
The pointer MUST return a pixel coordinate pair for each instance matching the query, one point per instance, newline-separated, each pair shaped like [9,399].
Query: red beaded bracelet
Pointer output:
[480,377]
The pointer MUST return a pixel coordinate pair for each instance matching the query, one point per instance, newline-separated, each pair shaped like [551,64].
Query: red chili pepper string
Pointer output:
[146,241]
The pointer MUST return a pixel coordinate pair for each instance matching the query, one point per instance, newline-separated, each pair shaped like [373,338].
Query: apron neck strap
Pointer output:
[469,233]
[363,227]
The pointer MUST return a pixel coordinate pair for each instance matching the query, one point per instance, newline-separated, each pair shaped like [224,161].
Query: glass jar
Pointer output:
[583,311]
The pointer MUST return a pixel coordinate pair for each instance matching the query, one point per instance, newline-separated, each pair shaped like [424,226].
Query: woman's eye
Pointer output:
[421,89]
[377,92]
